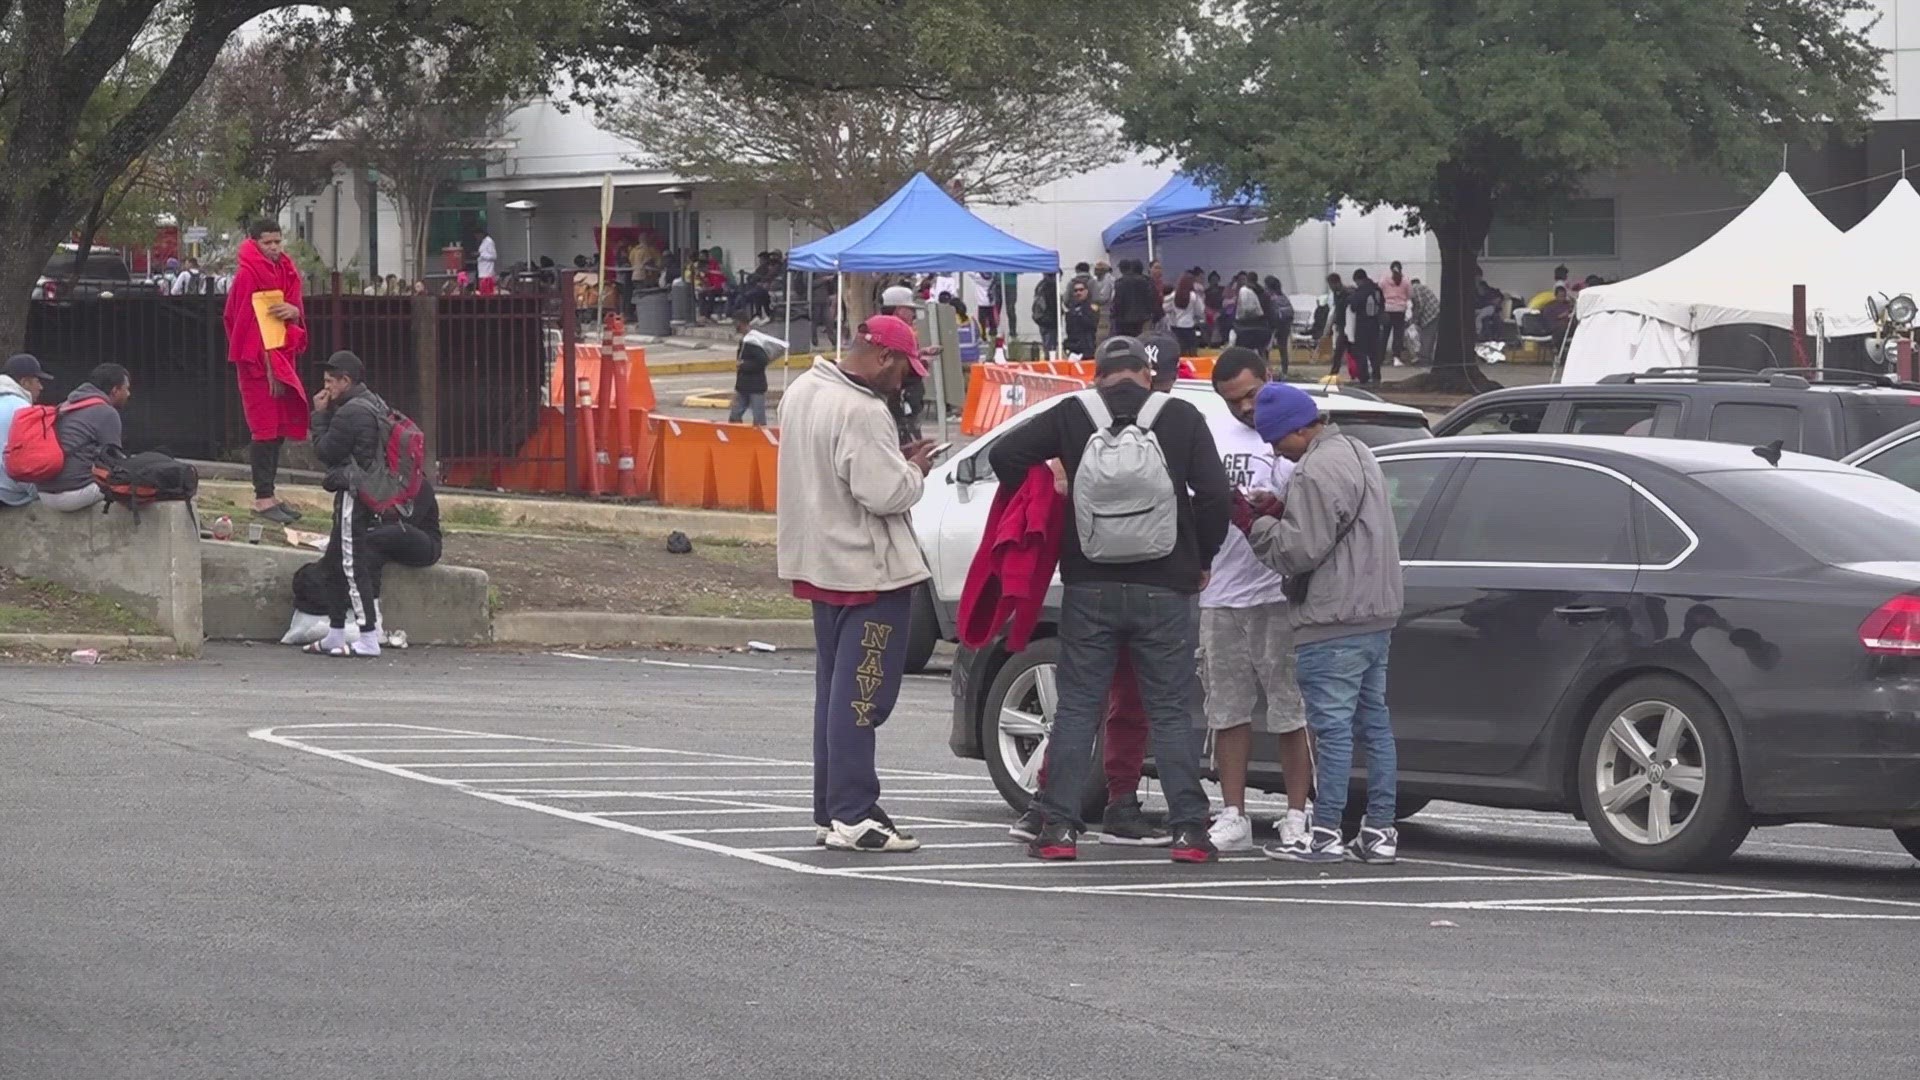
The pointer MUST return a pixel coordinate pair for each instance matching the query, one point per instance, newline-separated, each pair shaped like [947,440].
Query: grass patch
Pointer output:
[28,606]
[471,515]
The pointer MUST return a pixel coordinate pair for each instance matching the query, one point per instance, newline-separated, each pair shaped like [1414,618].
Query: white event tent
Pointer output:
[1875,251]
[1745,273]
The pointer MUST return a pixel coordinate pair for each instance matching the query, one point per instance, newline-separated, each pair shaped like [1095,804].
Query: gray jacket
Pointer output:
[85,436]
[1356,586]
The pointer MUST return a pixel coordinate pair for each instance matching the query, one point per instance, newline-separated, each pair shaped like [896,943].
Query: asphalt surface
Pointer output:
[469,865]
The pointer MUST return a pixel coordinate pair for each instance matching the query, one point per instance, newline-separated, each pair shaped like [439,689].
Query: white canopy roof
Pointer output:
[1878,251]
[1745,273]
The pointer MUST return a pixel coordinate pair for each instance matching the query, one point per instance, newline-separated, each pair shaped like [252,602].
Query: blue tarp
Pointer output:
[921,229]
[1181,207]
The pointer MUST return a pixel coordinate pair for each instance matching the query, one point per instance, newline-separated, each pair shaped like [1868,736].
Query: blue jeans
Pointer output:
[1160,630]
[1344,685]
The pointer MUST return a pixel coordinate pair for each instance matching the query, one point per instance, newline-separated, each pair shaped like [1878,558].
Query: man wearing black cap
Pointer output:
[346,437]
[1143,605]
[19,388]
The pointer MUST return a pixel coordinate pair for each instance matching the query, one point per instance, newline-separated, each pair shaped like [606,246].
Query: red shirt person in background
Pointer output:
[271,395]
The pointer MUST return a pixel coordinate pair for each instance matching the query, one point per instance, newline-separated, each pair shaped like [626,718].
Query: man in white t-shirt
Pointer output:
[488,258]
[1246,644]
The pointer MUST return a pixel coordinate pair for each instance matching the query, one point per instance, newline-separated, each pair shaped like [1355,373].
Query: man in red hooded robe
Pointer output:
[271,394]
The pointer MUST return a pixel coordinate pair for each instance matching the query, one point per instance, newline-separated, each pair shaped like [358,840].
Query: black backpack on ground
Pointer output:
[137,480]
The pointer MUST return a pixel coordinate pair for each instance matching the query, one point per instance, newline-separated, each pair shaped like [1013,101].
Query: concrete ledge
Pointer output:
[149,563]
[605,628]
[533,513]
[103,642]
[248,593]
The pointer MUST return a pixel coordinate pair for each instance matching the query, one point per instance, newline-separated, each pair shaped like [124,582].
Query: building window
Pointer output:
[1578,228]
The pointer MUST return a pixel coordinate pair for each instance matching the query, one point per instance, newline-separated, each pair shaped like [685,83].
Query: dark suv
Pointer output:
[1826,412]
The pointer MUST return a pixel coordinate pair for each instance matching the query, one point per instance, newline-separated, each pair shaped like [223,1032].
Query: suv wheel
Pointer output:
[1659,781]
[1909,839]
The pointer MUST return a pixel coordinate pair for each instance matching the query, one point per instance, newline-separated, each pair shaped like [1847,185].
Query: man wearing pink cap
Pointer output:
[845,540]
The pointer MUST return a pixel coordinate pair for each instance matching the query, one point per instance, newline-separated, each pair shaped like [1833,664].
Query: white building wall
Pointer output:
[1898,31]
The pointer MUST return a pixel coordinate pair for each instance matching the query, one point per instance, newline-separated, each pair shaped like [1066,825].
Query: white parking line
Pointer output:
[682,665]
[1694,894]
[1569,826]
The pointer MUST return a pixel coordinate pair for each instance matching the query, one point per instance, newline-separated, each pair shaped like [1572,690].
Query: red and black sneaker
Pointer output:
[1192,844]
[1056,843]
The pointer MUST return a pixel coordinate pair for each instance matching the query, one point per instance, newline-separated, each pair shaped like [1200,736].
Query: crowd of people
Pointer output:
[1267,546]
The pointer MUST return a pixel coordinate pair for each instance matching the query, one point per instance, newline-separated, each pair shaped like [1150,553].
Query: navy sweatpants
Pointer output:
[860,655]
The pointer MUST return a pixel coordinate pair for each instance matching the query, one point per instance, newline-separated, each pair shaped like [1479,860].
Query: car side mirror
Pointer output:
[965,471]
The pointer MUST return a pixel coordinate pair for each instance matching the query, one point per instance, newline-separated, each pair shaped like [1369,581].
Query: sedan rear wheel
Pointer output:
[1659,781]
[1018,724]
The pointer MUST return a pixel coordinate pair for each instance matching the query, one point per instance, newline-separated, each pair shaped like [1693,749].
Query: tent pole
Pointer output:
[1059,316]
[839,297]
[939,370]
[786,334]
[1559,358]
[1149,241]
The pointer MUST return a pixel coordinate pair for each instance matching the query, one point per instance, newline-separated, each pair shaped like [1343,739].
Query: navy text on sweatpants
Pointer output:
[860,654]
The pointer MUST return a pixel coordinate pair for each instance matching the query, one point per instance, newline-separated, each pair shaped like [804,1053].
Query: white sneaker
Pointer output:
[1232,831]
[1377,846]
[1295,828]
[875,834]
[820,834]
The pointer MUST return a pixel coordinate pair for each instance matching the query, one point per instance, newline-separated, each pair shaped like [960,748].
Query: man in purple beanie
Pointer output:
[1336,542]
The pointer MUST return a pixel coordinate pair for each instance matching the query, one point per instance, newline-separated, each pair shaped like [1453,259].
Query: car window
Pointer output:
[1613,418]
[1517,418]
[1871,416]
[1383,430]
[1754,425]
[1900,463]
[1512,511]
[1409,482]
[1661,541]
[1836,517]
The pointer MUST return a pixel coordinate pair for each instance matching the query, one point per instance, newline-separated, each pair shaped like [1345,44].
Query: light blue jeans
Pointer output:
[1343,683]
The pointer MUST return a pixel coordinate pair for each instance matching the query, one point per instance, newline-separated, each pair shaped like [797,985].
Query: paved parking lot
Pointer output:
[448,864]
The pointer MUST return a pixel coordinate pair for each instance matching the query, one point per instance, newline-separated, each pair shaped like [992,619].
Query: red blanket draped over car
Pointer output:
[268,416]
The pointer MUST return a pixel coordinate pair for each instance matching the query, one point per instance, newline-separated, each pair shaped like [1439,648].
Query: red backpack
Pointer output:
[399,465]
[33,453]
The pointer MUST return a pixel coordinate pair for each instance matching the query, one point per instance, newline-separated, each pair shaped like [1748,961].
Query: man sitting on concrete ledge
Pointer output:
[19,388]
[88,428]
[352,427]
[408,534]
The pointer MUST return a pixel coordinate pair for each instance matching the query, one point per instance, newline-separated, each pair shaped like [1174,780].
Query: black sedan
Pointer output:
[1676,641]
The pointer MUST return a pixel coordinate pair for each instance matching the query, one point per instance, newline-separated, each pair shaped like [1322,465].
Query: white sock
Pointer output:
[336,639]
[365,645]
[1229,812]
[1297,819]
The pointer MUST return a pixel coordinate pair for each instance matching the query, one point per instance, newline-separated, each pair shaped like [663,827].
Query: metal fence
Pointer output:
[470,370]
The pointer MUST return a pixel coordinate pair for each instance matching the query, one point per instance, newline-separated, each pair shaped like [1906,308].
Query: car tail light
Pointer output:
[1894,630]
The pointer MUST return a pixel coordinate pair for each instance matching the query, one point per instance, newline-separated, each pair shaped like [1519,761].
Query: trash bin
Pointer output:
[653,311]
[800,341]
[682,305]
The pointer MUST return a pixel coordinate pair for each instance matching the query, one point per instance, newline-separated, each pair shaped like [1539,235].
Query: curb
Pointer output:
[596,628]
[613,517]
[689,367]
[103,642]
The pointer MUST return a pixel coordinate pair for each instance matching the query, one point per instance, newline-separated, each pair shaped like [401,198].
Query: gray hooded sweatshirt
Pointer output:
[84,434]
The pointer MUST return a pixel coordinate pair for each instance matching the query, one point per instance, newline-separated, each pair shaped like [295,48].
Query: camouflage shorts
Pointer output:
[1246,664]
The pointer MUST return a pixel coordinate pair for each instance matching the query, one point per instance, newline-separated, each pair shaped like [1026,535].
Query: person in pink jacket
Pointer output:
[1395,292]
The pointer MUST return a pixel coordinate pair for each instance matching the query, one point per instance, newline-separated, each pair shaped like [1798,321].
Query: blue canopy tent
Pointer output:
[1182,207]
[920,229]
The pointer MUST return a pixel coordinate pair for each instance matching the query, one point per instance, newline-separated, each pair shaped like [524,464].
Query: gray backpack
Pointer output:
[1123,497]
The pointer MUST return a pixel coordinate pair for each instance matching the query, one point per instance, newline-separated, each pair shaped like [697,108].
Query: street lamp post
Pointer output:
[527,207]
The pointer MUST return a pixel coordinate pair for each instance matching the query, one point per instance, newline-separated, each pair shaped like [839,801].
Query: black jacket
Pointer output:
[750,368]
[346,436]
[1200,481]
[86,436]
[1133,299]
[1358,299]
[1082,324]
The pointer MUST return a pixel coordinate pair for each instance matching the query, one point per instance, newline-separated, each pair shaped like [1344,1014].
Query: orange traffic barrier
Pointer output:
[586,362]
[1007,391]
[703,463]
[591,455]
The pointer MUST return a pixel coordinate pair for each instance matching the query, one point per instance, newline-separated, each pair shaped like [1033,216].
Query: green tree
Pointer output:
[828,157]
[1453,108]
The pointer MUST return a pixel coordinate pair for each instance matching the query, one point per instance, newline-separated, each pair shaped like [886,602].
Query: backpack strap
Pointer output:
[1151,410]
[1096,408]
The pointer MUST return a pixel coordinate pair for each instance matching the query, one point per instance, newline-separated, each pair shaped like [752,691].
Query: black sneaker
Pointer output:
[1126,825]
[279,514]
[1056,843]
[1028,826]
[1192,844]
